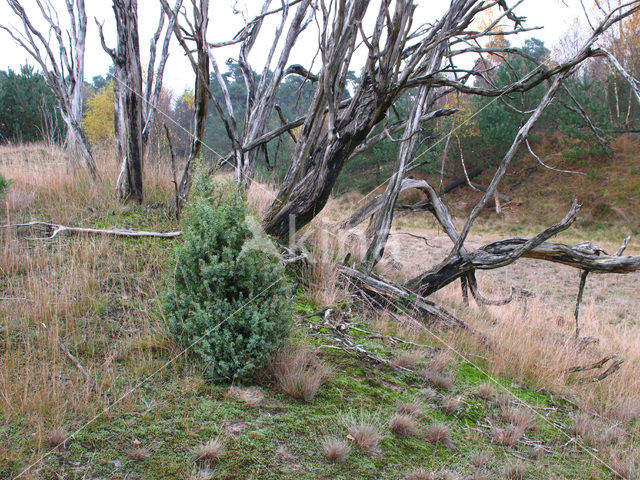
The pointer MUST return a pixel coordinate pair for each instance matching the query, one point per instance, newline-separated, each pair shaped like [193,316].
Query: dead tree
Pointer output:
[135,100]
[462,264]
[261,95]
[399,57]
[60,55]
[261,92]
[402,60]
[196,35]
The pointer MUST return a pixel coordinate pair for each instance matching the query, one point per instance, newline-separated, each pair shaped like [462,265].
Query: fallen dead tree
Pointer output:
[584,256]
[393,294]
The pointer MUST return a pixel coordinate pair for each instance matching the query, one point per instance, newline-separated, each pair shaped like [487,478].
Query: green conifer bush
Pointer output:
[4,186]
[228,296]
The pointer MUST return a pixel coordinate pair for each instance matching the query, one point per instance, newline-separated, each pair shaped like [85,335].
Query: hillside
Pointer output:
[607,186]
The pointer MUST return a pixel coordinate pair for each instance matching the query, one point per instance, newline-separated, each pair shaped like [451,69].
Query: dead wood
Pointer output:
[53,229]
[613,368]
[593,366]
[381,289]
[376,204]
[460,181]
[60,53]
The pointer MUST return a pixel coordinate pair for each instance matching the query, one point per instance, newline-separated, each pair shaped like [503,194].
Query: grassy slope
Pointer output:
[101,297]
[609,191]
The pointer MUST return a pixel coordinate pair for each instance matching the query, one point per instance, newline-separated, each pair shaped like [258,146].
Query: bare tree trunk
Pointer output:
[60,55]
[328,140]
[135,108]
[381,221]
[200,66]
[128,75]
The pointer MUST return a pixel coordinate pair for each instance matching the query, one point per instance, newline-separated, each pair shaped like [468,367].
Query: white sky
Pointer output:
[553,15]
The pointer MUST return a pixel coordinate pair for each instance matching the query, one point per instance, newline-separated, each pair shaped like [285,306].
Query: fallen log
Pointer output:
[460,181]
[397,293]
[376,204]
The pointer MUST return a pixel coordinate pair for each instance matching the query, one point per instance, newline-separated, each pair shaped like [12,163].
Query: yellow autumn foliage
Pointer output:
[98,117]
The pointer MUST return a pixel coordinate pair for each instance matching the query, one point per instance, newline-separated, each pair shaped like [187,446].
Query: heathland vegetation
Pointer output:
[188,290]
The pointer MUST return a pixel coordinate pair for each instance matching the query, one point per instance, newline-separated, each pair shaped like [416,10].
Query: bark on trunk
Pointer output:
[129,124]
[201,101]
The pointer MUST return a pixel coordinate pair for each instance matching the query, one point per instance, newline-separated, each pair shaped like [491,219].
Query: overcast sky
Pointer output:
[553,15]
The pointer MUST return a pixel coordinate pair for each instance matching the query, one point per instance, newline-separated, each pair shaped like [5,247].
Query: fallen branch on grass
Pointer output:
[53,229]
[593,366]
[613,367]
[391,338]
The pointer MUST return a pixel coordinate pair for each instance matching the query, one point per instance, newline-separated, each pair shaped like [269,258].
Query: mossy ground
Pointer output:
[176,409]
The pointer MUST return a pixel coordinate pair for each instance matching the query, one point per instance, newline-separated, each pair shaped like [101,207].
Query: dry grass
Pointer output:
[486,391]
[509,436]
[442,381]
[540,350]
[335,449]
[424,474]
[438,434]
[56,437]
[365,432]
[435,373]
[412,409]
[624,464]
[211,451]
[404,425]
[516,471]
[260,196]
[477,476]
[90,292]
[252,396]
[138,453]
[520,417]
[536,346]
[482,459]
[450,405]
[611,436]
[408,359]
[299,372]
[421,474]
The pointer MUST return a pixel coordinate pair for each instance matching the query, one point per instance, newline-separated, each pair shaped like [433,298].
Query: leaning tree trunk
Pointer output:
[201,68]
[381,221]
[336,127]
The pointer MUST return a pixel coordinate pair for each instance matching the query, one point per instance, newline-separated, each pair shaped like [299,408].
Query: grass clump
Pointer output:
[210,451]
[365,432]
[435,372]
[228,297]
[299,372]
[335,449]
[438,433]
[404,425]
